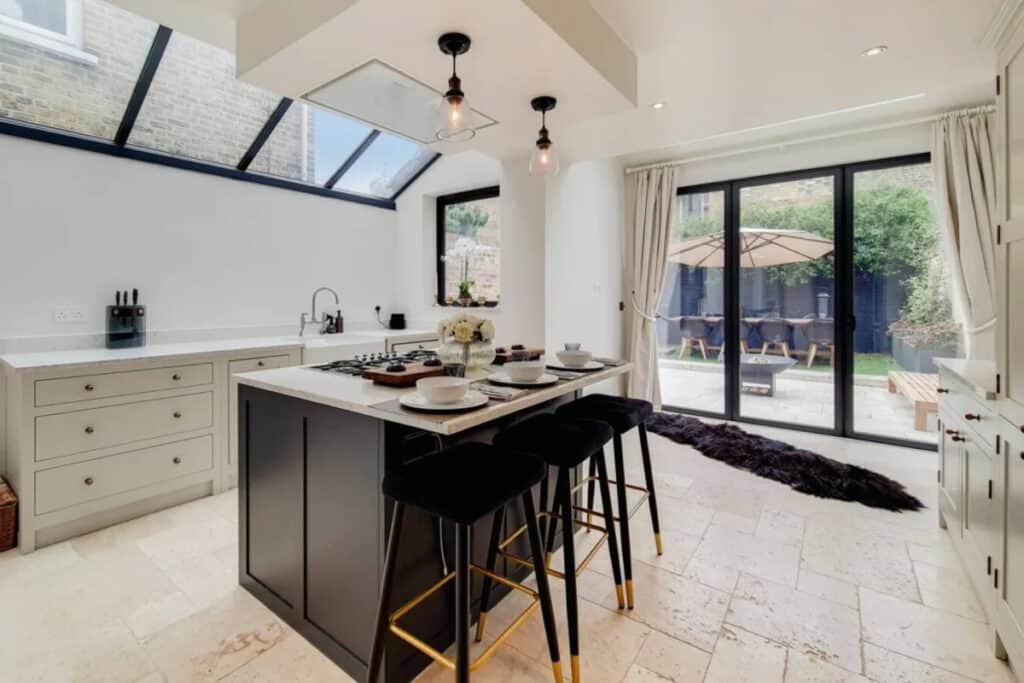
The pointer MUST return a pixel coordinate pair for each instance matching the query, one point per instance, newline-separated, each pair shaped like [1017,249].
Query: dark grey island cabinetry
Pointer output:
[313,451]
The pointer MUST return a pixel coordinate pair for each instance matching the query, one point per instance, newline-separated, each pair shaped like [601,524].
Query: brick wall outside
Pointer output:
[195,107]
[484,269]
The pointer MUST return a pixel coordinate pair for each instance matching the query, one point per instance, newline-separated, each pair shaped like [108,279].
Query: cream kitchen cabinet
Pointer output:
[95,437]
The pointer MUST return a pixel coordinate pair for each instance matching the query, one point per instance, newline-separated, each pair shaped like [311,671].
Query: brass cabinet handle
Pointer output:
[89,430]
[89,387]
[88,481]
[176,377]
[177,460]
[177,414]
[972,416]
[942,391]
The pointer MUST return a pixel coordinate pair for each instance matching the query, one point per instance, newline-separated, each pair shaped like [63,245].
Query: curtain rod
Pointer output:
[970,111]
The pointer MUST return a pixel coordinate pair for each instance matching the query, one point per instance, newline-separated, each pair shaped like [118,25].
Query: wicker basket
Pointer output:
[8,516]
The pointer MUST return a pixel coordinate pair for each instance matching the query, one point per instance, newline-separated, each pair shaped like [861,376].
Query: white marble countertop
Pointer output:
[980,374]
[48,359]
[361,396]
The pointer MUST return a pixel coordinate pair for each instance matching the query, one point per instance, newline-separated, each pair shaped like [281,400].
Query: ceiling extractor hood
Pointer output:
[388,99]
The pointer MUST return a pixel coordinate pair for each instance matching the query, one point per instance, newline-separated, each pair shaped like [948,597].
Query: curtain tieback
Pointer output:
[982,327]
[651,318]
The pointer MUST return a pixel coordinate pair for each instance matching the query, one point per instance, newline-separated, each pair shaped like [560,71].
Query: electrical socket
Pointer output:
[69,314]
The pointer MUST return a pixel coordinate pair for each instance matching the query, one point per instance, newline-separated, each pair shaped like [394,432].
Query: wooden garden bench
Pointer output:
[920,389]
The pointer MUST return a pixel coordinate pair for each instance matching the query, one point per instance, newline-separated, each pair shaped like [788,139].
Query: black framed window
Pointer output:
[469,248]
[90,75]
[807,300]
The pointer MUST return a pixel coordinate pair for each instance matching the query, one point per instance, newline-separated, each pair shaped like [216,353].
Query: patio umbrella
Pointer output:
[761,247]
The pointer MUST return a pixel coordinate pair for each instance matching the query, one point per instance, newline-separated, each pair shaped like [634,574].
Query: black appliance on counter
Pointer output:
[397,321]
[126,322]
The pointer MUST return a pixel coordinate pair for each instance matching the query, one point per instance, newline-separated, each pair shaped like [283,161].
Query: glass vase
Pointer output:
[476,356]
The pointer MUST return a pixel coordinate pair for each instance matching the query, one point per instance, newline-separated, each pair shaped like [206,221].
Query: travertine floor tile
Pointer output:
[804,668]
[744,657]
[930,635]
[670,659]
[797,620]
[949,590]
[855,556]
[888,667]
[711,574]
[826,587]
[768,559]
[776,525]
[293,660]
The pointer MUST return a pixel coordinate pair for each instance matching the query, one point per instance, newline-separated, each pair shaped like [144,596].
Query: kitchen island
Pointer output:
[313,450]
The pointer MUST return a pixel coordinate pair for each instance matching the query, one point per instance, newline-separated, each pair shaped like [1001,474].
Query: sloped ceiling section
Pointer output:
[521,49]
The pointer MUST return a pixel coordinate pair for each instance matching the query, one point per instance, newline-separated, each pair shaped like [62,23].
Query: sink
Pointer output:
[331,347]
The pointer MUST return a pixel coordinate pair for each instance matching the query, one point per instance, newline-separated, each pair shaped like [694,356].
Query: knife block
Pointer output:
[126,326]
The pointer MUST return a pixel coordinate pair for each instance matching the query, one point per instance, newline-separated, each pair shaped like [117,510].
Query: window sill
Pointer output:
[458,307]
[53,45]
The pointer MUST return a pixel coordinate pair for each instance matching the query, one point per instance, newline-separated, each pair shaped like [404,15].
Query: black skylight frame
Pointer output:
[118,147]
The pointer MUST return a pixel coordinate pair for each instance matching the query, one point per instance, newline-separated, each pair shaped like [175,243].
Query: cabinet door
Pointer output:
[271,453]
[977,514]
[952,480]
[1009,581]
[1010,237]
[344,530]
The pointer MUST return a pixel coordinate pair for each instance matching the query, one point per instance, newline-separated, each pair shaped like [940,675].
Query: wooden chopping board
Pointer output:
[405,378]
[506,356]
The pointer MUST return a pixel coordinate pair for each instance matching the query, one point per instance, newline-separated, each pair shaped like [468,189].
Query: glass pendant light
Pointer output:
[544,160]
[455,117]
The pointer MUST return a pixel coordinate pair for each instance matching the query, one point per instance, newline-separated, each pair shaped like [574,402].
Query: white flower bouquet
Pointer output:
[466,329]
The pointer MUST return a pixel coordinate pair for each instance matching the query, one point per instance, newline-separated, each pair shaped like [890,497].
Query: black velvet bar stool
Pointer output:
[463,484]
[564,444]
[622,415]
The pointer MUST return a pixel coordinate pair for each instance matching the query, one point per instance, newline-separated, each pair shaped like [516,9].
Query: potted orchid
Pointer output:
[465,249]
[468,340]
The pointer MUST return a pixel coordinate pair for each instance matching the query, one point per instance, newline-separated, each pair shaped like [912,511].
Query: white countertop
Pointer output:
[362,396]
[980,374]
[49,359]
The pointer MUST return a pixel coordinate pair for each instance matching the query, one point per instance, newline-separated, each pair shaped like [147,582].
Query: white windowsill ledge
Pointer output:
[56,46]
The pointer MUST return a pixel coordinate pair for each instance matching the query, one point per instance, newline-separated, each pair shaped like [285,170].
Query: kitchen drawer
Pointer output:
[87,387]
[88,430]
[63,487]
[254,364]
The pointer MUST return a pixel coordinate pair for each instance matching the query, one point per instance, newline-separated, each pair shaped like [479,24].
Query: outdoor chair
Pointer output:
[776,333]
[821,334]
[695,333]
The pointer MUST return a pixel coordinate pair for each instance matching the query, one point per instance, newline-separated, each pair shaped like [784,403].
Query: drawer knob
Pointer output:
[942,391]
[177,415]
[89,387]
[972,416]
[176,377]
[959,438]
[88,481]
[89,430]
[259,364]
[177,460]
[951,432]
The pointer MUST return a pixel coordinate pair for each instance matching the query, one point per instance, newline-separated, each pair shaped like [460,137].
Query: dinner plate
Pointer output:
[591,366]
[502,379]
[416,401]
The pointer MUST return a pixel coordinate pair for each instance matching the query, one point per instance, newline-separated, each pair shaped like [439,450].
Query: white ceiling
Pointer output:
[729,71]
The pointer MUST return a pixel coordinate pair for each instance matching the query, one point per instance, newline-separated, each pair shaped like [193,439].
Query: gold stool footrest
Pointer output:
[580,568]
[431,652]
[611,482]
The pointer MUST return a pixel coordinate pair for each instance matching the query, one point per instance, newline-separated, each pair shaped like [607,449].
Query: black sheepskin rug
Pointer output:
[801,470]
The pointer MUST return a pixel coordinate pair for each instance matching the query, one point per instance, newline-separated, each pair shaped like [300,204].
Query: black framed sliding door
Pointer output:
[786,296]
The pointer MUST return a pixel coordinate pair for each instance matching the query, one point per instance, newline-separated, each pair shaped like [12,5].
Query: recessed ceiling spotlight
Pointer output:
[658,105]
[875,51]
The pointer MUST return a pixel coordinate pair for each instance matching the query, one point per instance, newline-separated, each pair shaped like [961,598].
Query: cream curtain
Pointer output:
[654,205]
[965,185]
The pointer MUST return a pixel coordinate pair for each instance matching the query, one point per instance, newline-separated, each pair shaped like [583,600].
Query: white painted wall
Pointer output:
[205,252]
[583,257]
[798,156]
[520,317]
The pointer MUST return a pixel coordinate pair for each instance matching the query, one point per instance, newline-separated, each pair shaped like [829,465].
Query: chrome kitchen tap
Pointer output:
[313,320]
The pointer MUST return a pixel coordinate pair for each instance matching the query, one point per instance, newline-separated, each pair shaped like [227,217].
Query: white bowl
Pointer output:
[524,371]
[443,389]
[574,359]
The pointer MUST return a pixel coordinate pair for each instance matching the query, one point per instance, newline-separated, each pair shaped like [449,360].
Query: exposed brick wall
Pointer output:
[195,107]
